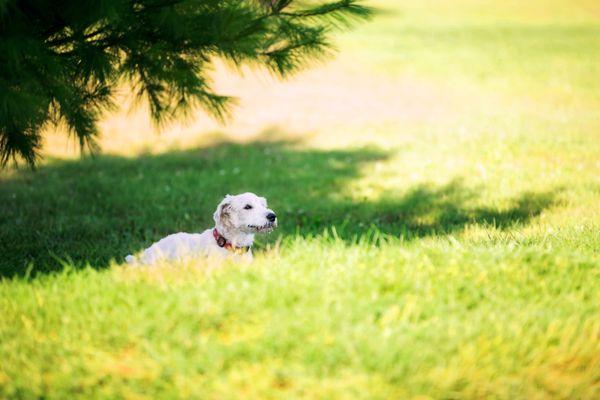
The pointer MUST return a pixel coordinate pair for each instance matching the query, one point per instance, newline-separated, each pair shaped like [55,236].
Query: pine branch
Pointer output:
[60,64]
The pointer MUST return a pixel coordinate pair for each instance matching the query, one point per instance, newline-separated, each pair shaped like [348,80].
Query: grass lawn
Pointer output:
[438,190]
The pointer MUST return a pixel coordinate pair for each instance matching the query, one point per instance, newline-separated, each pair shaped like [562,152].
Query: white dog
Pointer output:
[237,220]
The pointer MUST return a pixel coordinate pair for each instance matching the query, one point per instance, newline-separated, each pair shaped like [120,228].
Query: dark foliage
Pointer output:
[60,61]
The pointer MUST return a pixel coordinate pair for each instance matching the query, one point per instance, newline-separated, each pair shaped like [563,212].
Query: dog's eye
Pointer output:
[248,207]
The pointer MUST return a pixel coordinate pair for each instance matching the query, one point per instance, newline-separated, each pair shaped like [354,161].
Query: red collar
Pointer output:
[224,243]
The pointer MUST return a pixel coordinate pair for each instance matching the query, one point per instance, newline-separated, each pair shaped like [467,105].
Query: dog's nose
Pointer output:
[271,217]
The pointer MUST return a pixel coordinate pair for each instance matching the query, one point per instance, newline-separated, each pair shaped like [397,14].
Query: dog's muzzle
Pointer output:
[269,226]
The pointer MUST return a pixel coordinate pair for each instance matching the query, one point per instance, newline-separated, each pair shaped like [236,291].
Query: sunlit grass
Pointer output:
[392,320]
[438,189]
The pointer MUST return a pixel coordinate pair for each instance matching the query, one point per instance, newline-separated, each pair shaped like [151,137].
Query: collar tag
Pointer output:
[222,242]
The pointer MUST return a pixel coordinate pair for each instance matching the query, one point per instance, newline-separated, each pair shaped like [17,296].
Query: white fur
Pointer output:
[237,224]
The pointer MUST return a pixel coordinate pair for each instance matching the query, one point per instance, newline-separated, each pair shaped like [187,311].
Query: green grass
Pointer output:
[436,318]
[451,251]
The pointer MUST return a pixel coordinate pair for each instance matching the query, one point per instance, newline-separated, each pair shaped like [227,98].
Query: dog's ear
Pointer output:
[222,213]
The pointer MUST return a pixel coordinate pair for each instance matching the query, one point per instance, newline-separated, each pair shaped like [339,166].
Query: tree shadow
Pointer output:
[94,210]
[428,209]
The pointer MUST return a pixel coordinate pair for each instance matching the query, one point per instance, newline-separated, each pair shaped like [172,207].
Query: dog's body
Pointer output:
[179,246]
[237,220]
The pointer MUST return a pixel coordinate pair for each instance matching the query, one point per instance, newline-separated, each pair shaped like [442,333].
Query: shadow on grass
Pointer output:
[92,210]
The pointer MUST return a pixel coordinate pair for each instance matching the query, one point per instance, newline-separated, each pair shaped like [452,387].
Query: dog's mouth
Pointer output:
[268,227]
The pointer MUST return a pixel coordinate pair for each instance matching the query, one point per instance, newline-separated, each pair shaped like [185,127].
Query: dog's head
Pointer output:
[246,213]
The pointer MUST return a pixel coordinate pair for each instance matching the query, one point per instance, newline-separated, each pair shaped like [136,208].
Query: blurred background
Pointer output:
[462,67]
